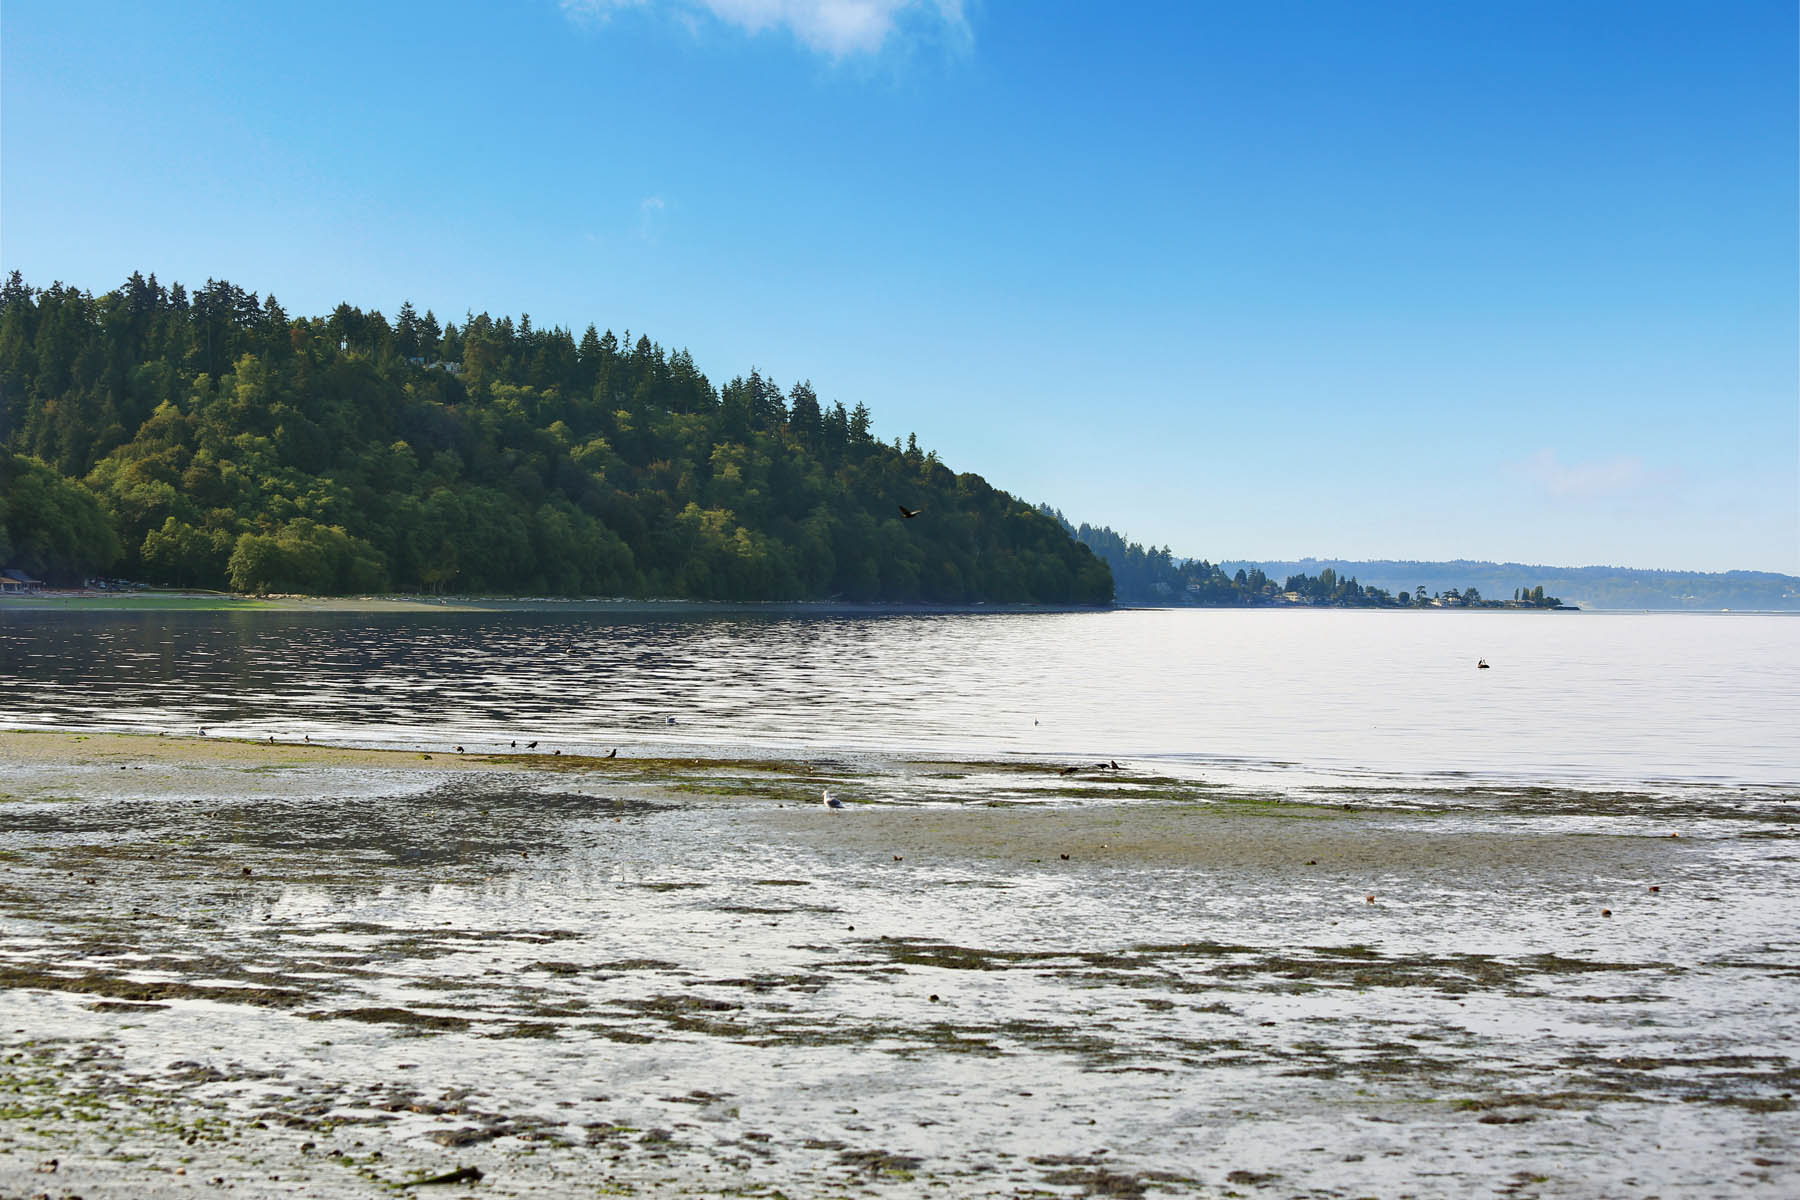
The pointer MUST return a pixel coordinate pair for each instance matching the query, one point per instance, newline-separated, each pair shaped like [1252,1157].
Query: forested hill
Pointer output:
[210,439]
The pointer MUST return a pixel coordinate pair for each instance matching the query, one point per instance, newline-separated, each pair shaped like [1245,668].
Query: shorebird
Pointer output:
[459,749]
[908,513]
[530,745]
[515,743]
[1482,665]
[829,800]
[1115,765]
[613,753]
[669,720]
[1068,770]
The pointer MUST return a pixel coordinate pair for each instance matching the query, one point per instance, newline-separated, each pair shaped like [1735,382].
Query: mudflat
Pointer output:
[304,969]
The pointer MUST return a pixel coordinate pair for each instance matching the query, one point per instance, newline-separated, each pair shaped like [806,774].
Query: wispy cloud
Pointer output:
[649,209]
[839,28]
[1595,479]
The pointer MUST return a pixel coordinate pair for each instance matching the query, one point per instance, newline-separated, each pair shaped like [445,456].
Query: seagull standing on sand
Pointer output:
[829,800]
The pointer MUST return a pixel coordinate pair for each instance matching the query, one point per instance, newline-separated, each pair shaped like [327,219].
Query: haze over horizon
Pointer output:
[1258,283]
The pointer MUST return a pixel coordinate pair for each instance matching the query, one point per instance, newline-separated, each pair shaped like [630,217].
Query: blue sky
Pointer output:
[1503,280]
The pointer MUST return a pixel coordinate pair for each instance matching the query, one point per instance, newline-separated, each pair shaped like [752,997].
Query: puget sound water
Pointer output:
[1352,916]
[1579,698]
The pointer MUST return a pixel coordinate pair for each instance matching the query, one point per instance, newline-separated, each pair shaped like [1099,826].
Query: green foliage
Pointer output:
[218,442]
[1154,576]
[50,526]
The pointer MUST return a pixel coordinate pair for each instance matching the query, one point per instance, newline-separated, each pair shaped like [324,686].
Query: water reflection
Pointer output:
[1638,699]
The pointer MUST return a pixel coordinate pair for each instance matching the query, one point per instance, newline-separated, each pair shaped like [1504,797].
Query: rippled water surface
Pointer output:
[1570,697]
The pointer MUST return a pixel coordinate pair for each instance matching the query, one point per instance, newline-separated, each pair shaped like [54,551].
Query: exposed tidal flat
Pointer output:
[306,970]
[1495,958]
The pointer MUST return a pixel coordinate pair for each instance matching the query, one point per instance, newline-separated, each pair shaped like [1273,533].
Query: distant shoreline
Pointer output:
[171,601]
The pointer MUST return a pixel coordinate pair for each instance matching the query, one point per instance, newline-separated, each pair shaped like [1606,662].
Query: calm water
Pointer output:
[1591,699]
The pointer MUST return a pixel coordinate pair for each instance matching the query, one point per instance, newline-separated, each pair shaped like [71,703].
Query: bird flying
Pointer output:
[909,513]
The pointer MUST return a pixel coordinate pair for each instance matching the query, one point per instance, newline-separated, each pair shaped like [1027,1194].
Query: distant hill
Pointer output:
[210,439]
[1589,587]
[1157,576]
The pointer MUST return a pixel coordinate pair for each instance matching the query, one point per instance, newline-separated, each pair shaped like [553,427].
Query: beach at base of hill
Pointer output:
[176,601]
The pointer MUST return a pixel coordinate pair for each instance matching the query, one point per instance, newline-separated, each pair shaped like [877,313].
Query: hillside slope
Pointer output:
[227,444]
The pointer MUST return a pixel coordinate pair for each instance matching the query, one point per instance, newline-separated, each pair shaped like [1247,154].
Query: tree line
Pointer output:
[210,439]
[1154,576]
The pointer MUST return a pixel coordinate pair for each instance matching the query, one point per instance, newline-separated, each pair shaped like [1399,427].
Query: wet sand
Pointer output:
[307,970]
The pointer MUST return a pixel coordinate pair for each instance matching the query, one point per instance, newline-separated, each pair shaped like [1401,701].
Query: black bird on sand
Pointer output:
[1068,770]
[515,744]
[1116,766]
[459,749]
[908,513]
[613,753]
[531,745]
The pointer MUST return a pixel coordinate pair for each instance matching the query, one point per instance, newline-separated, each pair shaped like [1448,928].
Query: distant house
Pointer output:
[18,581]
[455,368]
